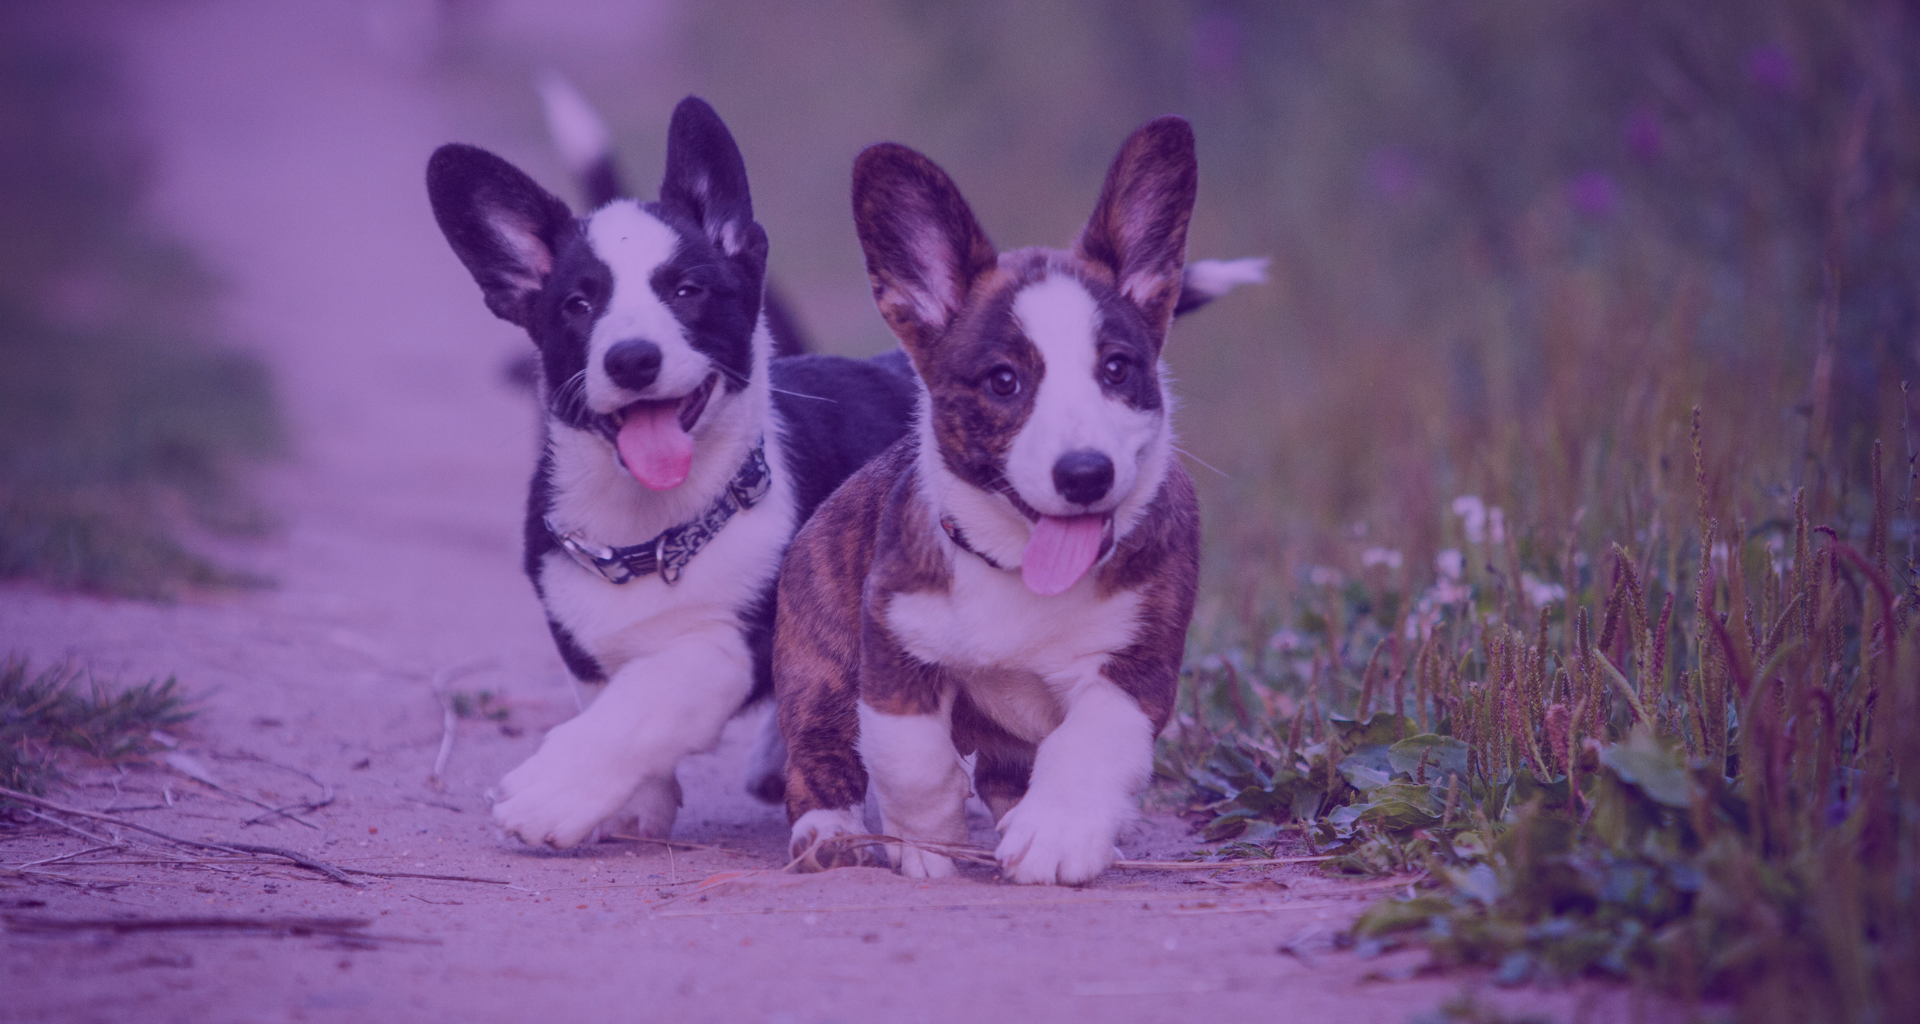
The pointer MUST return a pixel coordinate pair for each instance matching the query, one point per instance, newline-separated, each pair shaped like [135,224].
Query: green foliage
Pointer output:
[478,705]
[121,421]
[1710,793]
[44,713]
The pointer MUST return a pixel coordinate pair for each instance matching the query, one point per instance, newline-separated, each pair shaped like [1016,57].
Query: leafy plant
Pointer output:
[46,712]
[478,705]
[1710,792]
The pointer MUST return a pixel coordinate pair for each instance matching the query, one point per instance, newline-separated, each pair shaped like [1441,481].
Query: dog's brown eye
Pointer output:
[1003,381]
[577,305]
[1114,371]
[686,291]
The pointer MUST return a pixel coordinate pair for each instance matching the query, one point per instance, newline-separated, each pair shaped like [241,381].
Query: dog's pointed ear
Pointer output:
[501,224]
[1139,226]
[924,249]
[707,180]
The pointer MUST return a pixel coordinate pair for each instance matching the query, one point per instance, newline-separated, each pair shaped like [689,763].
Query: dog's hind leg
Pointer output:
[767,768]
[655,710]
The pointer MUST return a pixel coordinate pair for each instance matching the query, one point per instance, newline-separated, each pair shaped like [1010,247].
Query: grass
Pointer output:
[1688,763]
[123,418]
[1515,244]
[47,715]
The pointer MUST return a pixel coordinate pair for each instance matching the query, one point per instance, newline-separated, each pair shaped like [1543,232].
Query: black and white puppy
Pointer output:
[1014,578]
[679,458]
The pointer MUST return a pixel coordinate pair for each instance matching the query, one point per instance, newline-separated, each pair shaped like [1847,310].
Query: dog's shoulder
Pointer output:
[836,414]
[832,553]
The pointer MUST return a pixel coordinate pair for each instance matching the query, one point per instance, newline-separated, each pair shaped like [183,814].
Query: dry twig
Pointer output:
[298,859]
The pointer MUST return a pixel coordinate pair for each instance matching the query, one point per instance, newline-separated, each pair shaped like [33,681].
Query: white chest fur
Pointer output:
[994,632]
[619,622]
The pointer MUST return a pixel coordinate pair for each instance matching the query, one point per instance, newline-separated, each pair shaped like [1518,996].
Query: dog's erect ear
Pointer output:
[707,180]
[924,249]
[502,226]
[1139,226]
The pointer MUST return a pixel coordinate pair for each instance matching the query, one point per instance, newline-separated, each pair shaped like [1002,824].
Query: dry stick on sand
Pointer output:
[350,928]
[191,769]
[984,856]
[290,810]
[71,856]
[82,833]
[449,719]
[676,844]
[437,878]
[302,807]
[298,859]
[288,925]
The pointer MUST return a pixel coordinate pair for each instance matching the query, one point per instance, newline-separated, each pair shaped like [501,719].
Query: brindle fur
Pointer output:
[876,538]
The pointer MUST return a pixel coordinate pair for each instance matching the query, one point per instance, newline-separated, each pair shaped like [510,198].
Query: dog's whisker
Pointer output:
[796,394]
[1203,462]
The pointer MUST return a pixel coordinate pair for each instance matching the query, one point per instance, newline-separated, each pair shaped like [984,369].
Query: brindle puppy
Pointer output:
[1014,578]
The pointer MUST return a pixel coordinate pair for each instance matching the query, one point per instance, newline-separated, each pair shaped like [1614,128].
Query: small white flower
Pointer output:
[1285,640]
[1496,525]
[1325,576]
[1380,556]
[1720,556]
[1449,564]
[1473,514]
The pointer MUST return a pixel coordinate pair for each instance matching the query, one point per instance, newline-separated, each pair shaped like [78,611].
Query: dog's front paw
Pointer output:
[560,793]
[914,862]
[1045,843]
[819,842]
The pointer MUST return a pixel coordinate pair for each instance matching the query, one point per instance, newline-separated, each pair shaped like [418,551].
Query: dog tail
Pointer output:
[1207,280]
[582,139]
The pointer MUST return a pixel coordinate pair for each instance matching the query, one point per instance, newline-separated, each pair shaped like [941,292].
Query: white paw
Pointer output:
[917,863]
[1046,842]
[648,813]
[561,792]
[812,843]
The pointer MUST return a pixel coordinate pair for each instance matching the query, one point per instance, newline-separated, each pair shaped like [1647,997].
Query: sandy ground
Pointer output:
[291,141]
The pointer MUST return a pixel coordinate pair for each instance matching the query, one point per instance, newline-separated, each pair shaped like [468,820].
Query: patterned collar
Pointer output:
[959,539]
[952,526]
[669,553]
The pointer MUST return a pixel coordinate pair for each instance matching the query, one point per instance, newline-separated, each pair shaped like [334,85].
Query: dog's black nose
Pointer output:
[633,364]
[1083,476]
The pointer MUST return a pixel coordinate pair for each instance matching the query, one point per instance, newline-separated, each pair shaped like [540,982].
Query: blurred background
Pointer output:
[1514,242]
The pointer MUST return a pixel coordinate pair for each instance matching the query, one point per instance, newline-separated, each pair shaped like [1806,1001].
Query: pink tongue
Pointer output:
[657,450]
[1061,551]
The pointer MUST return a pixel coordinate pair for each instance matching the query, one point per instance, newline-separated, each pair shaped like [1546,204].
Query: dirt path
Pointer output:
[291,150]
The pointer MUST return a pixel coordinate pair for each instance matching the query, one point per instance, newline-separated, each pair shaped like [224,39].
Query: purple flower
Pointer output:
[1592,194]
[1645,138]
[1771,68]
